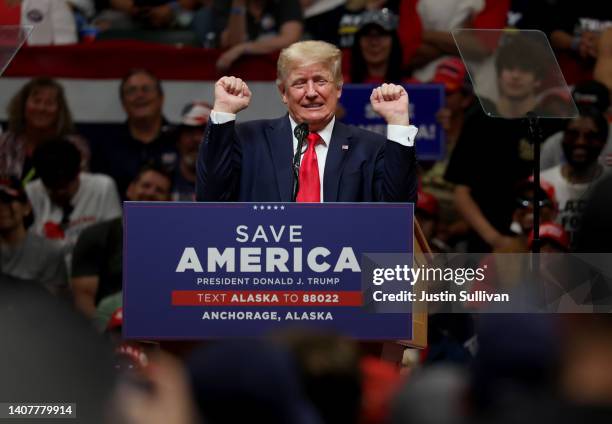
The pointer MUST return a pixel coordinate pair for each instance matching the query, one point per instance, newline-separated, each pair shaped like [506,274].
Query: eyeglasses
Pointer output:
[573,135]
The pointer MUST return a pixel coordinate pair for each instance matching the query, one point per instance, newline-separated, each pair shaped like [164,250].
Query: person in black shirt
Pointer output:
[97,266]
[493,154]
[145,138]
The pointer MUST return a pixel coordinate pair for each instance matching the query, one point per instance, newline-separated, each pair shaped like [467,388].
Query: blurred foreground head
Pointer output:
[50,353]
[329,371]
[236,382]
[432,395]
[516,366]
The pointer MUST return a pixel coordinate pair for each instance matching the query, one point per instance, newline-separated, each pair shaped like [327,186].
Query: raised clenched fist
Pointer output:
[391,102]
[231,95]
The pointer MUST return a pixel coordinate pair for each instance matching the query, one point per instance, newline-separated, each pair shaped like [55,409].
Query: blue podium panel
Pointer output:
[425,102]
[211,270]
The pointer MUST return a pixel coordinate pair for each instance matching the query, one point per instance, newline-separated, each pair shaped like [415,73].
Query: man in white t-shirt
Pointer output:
[64,200]
[583,140]
[589,93]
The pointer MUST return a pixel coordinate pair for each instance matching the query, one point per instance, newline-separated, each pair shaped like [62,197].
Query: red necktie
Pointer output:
[310,184]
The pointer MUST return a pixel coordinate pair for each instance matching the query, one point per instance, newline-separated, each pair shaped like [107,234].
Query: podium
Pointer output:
[217,270]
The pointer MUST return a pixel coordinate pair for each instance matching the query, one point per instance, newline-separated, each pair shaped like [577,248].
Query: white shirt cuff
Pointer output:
[401,134]
[221,117]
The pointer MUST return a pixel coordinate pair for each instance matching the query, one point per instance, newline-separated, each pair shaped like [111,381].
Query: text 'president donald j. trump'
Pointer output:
[255,161]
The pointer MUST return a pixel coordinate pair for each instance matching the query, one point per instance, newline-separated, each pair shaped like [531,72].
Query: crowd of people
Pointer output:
[61,226]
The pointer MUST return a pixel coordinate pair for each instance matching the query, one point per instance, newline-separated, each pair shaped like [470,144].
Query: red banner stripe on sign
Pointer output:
[265,298]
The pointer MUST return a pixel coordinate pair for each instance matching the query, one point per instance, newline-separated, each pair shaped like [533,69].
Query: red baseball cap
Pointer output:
[195,114]
[553,232]
[451,73]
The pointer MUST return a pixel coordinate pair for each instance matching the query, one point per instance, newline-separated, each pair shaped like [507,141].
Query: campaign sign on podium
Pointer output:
[213,270]
[426,100]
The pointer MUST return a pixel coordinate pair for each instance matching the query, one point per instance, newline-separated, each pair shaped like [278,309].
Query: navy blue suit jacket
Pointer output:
[252,162]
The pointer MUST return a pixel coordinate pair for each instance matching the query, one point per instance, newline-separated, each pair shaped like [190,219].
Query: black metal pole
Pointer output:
[535,137]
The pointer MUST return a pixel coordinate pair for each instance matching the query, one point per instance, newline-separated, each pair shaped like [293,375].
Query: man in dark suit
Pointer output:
[252,161]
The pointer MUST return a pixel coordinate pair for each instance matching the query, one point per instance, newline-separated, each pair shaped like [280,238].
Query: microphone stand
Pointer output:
[535,136]
[300,132]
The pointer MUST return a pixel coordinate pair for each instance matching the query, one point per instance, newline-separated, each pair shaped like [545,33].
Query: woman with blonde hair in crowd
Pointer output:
[37,112]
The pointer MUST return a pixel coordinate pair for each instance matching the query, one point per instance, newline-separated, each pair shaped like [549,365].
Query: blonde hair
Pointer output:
[305,53]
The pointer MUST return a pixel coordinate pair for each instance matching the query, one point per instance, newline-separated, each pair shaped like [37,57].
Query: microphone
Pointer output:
[300,132]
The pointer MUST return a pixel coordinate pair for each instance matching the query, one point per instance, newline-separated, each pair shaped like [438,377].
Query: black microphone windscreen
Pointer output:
[301,131]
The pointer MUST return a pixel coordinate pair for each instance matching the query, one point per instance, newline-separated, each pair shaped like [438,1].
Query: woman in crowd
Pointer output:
[37,113]
[376,56]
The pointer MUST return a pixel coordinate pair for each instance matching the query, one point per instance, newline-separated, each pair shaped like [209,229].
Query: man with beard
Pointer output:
[590,93]
[97,266]
[583,140]
[190,134]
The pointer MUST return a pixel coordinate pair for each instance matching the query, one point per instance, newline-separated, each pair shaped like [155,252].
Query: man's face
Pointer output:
[141,98]
[311,95]
[188,145]
[150,186]
[12,213]
[42,108]
[582,144]
[518,84]
[375,44]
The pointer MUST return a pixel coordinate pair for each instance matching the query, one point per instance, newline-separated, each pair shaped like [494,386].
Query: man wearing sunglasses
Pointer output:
[583,140]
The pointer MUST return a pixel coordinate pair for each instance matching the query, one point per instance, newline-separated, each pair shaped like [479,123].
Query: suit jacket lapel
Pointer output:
[280,142]
[339,147]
